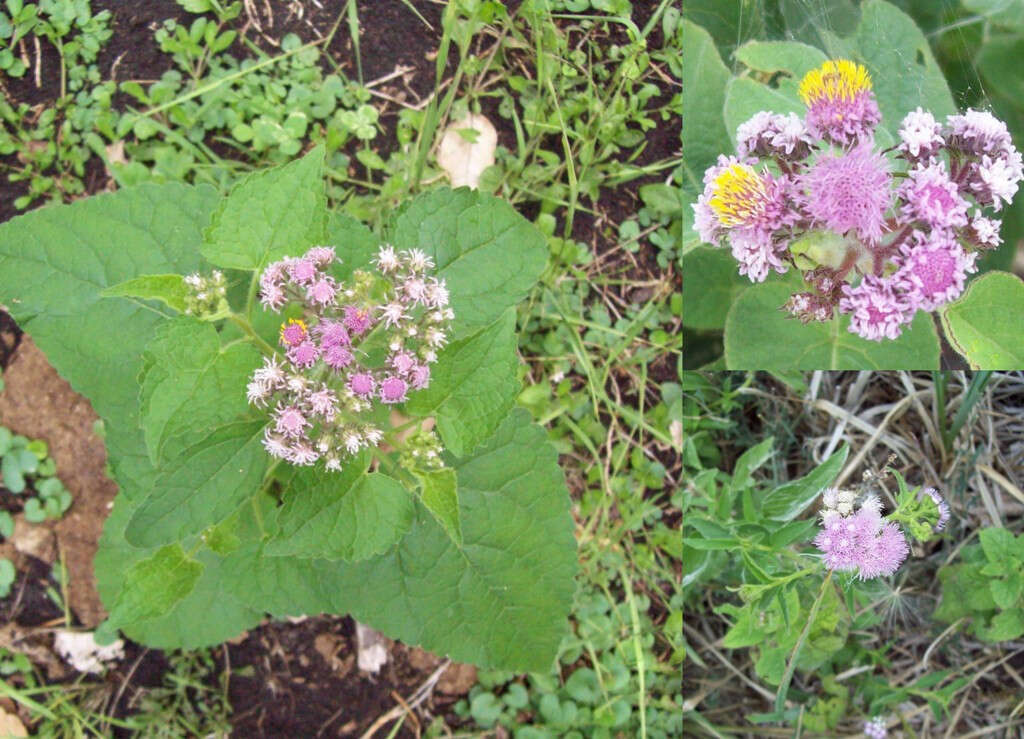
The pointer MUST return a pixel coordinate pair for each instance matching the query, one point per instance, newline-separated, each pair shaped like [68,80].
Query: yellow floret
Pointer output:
[739,195]
[300,323]
[834,80]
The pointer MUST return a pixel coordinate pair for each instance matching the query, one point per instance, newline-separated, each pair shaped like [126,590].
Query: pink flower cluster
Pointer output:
[323,384]
[903,232]
[861,541]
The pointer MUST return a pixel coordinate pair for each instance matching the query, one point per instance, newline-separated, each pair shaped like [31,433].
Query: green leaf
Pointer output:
[998,544]
[964,591]
[170,289]
[750,461]
[439,494]
[6,438]
[760,336]
[706,300]
[6,524]
[1009,13]
[355,244]
[988,338]
[501,600]
[704,77]
[473,386]
[154,585]
[191,383]
[904,74]
[791,57]
[788,501]
[771,665]
[1005,626]
[346,515]
[746,632]
[488,254]
[7,575]
[270,214]
[10,471]
[34,511]
[202,486]
[744,97]
[1007,592]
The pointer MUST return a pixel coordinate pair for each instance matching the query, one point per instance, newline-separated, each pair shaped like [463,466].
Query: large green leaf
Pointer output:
[439,493]
[488,254]
[202,486]
[744,97]
[192,383]
[473,386]
[1009,13]
[758,335]
[788,501]
[904,74]
[985,323]
[711,283]
[154,585]
[704,78]
[341,515]
[355,244]
[169,289]
[270,214]
[791,57]
[501,600]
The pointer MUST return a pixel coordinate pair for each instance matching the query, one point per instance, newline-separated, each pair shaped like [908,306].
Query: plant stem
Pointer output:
[780,697]
[247,327]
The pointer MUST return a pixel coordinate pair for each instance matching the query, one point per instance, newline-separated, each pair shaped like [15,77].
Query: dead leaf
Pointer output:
[467,149]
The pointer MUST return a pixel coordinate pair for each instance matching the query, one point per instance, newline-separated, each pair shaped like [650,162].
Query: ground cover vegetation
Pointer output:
[586,100]
[851,550]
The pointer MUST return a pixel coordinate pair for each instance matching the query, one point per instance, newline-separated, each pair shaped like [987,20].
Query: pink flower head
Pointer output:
[994,180]
[387,261]
[257,393]
[402,362]
[362,383]
[414,289]
[357,320]
[273,273]
[420,376]
[332,333]
[323,402]
[302,271]
[304,355]
[940,503]
[437,293]
[322,256]
[934,269]
[337,356]
[932,197]
[875,728]
[392,390]
[920,135]
[849,192]
[290,421]
[986,231]
[302,454]
[272,297]
[882,555]
[275,445]
[838,542]
[773,135]
[756,256]
[876,309]
[322,291]
[393,314]
[840,104]
[978,132]
[294,332]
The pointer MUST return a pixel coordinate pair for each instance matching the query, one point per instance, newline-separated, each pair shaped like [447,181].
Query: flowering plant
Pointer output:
[867,246]
[857,202]
[304,417]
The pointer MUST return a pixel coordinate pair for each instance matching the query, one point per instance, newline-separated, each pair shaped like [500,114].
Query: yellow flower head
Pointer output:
[739,195]
[294,332]
[834,80]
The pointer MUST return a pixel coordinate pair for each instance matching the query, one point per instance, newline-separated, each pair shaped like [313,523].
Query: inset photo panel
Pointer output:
[853,554]
[851,185]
